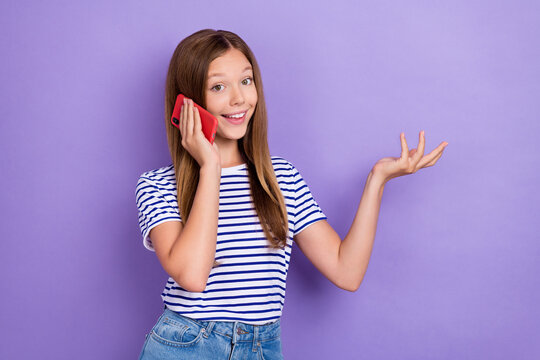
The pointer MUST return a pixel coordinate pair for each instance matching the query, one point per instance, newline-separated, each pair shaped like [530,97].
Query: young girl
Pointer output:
[222,218]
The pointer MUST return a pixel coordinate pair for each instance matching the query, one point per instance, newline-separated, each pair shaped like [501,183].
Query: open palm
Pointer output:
[410,161]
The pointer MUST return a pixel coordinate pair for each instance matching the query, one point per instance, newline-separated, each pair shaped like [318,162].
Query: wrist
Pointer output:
[210,169]
[376,179]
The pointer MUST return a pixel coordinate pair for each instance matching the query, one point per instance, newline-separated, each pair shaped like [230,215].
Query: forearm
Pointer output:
[355,249]
[194,251]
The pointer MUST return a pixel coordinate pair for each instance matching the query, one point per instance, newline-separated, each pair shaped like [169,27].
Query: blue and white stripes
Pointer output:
[249,284]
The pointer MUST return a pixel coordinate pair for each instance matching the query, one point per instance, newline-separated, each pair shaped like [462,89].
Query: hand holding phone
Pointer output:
[208,121]
[197,138]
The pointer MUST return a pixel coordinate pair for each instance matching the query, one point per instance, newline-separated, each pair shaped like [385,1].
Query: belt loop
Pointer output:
[235,325]
[255,337]
[209,328]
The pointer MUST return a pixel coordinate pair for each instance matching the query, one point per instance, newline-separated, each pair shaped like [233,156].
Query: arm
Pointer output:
[345,262]
[355,250]
[187,250]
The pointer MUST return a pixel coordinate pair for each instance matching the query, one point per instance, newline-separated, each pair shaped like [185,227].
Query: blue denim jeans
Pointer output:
[175,336]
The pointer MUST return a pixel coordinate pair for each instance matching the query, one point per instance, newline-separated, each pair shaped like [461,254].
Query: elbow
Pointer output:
[352,287]
[198,287]
[191,279]
[345,280]
[191,284]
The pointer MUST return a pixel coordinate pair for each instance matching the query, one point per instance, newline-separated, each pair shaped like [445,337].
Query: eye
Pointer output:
[249,79]
[216,87]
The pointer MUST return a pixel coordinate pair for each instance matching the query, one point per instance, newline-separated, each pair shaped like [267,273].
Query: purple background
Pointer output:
[454,272]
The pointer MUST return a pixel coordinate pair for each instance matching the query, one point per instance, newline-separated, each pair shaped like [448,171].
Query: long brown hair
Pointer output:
[187,74]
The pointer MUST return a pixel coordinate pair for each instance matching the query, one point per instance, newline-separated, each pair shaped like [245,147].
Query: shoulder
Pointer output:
[287,167]
[162,177]
[280,163]
[286,174]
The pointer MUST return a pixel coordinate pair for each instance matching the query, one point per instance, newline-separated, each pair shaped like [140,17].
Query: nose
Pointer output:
[237,96]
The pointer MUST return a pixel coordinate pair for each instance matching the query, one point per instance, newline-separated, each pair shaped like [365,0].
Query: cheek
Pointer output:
[253,96]
[214,107]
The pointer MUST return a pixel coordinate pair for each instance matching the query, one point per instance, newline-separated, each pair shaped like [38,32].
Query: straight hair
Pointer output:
[187,74]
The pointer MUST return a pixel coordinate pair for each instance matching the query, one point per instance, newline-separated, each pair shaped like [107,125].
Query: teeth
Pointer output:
[236,116]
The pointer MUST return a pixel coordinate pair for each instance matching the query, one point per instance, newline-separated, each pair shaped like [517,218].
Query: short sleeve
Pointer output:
[307,211]
[153,208]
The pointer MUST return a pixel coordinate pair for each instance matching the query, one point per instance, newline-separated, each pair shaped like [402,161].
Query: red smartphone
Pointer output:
[208,121]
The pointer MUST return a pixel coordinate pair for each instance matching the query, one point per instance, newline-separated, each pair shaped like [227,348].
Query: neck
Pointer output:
[229,152]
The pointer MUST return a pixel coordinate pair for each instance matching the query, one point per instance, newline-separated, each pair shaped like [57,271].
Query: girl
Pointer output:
[222,217]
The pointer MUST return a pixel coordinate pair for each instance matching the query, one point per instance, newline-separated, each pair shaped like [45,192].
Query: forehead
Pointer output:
[233,62]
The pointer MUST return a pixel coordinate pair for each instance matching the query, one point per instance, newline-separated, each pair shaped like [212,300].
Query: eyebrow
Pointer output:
[221,74]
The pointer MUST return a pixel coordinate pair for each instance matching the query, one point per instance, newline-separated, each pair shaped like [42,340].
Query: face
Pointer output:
[231,90]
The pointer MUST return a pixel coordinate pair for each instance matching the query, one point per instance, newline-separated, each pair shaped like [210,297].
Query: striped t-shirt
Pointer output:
[249,284]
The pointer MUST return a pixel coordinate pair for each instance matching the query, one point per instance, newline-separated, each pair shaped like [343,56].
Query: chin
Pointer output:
[234,132]
[234,135]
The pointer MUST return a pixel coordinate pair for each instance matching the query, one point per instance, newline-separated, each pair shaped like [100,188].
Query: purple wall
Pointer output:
[455,265]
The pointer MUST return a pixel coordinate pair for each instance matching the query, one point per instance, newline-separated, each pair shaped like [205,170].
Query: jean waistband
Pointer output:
[238,331]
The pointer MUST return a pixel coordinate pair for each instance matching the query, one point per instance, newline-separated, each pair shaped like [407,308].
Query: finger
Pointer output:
[432,162]
[197,117]
[184,119]
[189,122]
[436,153]
[404,147]
[421,146]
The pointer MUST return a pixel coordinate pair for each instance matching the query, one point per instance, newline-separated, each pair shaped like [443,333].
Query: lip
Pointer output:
[236,121]
[238,112]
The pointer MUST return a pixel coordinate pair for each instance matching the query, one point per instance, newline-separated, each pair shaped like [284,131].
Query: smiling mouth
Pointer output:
[237,115]
[235,120]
